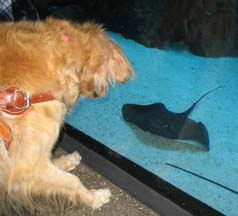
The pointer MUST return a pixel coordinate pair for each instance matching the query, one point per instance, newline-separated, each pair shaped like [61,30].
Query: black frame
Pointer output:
[146,187]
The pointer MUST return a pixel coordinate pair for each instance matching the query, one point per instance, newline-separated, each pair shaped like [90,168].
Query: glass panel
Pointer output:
[176,79]
[163,137]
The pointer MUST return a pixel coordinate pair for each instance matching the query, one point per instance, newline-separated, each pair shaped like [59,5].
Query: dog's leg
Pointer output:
[33,173]
[50,181]
[68,162]
[70,186]
[5,166]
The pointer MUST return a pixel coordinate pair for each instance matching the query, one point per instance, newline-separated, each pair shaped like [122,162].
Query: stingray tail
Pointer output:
[204,178]
[187,112]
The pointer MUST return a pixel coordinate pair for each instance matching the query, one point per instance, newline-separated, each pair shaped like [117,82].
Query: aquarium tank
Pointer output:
[177,118]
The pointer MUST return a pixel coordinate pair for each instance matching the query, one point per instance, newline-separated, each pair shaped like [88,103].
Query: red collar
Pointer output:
[14,101]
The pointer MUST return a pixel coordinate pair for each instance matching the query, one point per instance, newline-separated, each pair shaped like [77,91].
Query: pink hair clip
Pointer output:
[65,37]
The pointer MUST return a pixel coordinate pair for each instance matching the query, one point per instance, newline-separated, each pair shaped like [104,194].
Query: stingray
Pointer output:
[157,119]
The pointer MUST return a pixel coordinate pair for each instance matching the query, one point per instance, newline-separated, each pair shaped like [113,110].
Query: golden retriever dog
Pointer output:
[45,67]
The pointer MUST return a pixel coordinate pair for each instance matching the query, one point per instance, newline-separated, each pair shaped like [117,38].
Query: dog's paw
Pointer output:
[68,162]
[74,160]
[101,197]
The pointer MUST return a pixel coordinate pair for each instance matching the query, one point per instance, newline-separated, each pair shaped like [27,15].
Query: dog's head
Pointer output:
[90,58]
[103,62]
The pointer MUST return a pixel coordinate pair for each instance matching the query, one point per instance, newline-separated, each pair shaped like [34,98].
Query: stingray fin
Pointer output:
[195,131]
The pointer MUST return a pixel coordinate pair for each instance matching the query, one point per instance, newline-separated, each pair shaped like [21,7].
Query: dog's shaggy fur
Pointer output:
[71,61]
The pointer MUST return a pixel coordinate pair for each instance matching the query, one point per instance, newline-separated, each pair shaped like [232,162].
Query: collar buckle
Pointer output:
[26,97]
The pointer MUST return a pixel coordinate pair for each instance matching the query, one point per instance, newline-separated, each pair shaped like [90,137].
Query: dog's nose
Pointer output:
[95,94]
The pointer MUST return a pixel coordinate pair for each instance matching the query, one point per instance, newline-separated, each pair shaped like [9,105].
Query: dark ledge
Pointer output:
[146,187]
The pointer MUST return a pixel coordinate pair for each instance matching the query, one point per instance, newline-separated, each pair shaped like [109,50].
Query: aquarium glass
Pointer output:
[176,78]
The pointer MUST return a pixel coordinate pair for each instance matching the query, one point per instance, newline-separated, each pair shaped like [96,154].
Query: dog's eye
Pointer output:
[95,94]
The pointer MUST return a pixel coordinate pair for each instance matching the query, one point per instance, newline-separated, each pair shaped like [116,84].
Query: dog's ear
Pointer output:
[114,68]
[118,66]
[107,66]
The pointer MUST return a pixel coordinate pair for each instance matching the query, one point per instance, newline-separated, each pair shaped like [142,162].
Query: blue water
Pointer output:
[176,78]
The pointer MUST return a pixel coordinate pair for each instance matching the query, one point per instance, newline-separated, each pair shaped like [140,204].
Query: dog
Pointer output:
[45,67]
